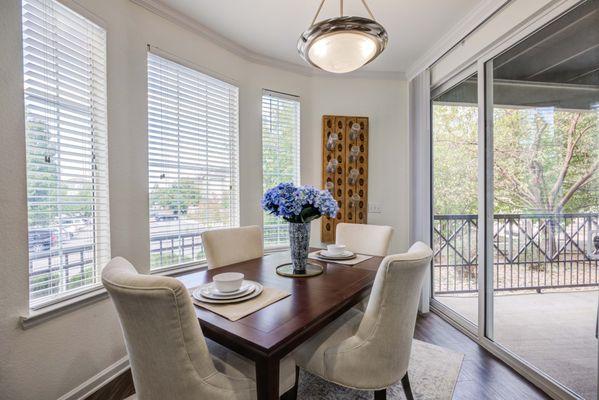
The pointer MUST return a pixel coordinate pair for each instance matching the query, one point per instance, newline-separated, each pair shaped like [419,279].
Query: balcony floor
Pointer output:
[554,331]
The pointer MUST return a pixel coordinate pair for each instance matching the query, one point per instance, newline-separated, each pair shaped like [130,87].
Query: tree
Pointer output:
[546,160]
[177,196]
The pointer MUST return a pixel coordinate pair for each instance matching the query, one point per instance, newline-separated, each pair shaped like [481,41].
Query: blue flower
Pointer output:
[299,203]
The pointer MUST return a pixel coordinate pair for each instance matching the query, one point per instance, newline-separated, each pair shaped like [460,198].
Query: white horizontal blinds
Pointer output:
[64,57]
[280,154]
[193,159]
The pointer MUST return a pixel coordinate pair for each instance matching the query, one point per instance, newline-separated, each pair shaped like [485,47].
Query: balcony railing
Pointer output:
[531,252]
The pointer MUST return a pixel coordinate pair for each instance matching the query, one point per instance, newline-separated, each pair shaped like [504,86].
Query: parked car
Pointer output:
[66,233]
[166,216]
[74,225]
[41,239]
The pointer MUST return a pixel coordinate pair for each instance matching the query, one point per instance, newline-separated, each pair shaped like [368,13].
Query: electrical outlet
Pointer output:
[374,208]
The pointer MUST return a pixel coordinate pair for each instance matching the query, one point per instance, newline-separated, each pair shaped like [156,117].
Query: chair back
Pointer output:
[364,239]
[390,318]
[167,351]
[234,245]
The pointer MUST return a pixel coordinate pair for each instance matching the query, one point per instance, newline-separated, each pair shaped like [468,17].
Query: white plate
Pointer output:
[345,255]
[209,290]
[197,295]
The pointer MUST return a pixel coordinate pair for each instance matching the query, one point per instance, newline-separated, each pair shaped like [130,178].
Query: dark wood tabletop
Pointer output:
[271,333]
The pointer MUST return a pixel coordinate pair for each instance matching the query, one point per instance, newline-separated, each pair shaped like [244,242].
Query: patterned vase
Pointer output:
[299,241]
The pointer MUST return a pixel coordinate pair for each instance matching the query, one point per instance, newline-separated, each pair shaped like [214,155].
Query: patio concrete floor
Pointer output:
[554,331]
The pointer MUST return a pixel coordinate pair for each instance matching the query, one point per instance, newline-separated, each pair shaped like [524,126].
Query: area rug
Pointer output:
[433,374]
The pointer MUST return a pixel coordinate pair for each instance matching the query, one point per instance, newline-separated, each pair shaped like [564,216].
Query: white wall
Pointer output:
[385,102]
[50,359]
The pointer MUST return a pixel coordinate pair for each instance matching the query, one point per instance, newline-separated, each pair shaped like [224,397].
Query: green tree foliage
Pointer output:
[177,196]
[545,160]
[52,191]
[455,149]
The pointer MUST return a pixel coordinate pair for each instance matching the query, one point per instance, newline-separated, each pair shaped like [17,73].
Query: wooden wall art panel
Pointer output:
[345,170]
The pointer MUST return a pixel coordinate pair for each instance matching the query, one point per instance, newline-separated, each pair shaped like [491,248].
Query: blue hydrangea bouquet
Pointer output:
[299,205]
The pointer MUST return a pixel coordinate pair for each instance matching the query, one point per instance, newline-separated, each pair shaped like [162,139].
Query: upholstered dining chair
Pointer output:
[232,245]
[371,350]
[169,356]
[365,239]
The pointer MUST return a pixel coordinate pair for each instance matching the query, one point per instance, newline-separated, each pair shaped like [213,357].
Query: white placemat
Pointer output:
[236,311]
[359,258]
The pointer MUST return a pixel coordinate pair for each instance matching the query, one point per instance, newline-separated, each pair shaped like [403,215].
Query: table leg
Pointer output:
[267,378]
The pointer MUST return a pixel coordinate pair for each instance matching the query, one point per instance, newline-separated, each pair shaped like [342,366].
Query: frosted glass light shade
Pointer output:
[343,44]
[342,52]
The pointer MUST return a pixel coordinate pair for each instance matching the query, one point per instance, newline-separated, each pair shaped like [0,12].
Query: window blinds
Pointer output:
[64,57]
[280,154]
[193,159]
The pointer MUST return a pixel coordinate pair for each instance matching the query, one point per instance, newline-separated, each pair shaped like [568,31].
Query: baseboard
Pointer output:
[97,381]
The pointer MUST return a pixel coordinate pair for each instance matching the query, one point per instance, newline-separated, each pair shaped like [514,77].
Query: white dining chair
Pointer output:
[168,354]
[232,245]
[364,239]
[371,350]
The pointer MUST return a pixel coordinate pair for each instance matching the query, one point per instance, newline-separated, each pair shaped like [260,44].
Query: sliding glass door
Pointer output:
[455,208]
[515,180]
[544,104]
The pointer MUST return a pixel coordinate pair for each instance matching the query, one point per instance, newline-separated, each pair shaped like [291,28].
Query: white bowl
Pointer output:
[335,249]
[228,282]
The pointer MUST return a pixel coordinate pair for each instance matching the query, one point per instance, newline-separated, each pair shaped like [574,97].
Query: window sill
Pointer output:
[51,311]
[276,249]
[180,269]
[42,313]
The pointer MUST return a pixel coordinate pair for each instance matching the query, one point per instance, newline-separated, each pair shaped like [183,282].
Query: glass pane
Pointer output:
[65,119]
[280,156]
[546,225]
[192,160]
[455,208]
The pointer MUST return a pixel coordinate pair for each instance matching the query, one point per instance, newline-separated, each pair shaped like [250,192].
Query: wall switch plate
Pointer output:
[374,208]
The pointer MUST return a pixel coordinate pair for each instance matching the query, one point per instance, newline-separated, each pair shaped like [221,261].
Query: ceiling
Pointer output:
[557,66]
[271,28]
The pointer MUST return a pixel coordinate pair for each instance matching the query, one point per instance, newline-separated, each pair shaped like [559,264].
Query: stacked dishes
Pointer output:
[229,287]
[335,252]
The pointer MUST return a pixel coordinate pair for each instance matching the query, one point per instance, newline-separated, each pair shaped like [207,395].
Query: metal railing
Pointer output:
[52,269]
[531,251]
[179,248]
[49,270]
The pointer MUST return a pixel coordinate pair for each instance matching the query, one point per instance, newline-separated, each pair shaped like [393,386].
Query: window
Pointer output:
[64,57]
[280,154]
[193,160]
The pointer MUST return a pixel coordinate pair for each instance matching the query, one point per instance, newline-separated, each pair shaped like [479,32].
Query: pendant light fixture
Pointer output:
[342,44]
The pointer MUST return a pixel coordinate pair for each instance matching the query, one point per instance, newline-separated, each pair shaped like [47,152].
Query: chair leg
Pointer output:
[405,382]
[291,394]
[380,394]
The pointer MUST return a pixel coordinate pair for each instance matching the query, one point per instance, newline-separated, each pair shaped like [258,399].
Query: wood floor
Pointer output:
[482,377]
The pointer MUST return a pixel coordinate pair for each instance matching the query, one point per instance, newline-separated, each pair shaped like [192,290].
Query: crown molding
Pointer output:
[159,8]
[482,12]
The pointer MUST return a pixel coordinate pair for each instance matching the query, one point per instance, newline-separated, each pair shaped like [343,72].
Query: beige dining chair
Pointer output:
[232,245]
[371,350]
[168,354]
[364,239]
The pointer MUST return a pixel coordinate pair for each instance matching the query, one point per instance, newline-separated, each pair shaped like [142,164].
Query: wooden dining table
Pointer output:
[271,333]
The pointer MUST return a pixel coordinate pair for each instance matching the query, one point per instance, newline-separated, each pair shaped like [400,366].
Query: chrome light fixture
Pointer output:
[342,44]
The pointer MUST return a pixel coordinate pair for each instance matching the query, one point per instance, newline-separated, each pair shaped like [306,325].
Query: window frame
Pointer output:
[153,51]
[101,246]
[297,140]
